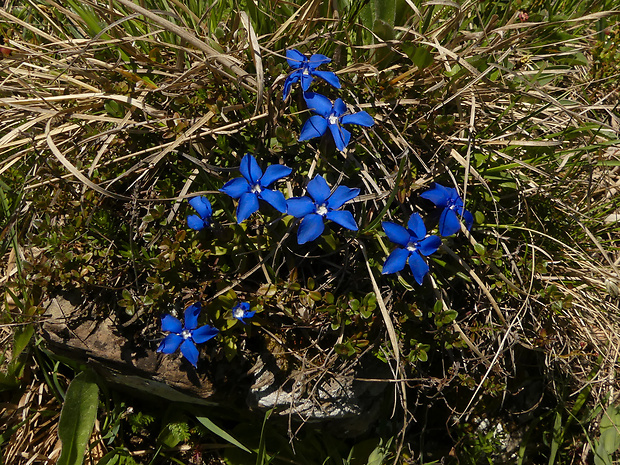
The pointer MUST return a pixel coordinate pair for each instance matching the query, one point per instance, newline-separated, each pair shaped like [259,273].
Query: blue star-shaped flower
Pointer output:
[185,335]
[253,186]
[241,311]
[414,245]
[203,208]
[448,198]
[322,205]
[332,117]
[305,70]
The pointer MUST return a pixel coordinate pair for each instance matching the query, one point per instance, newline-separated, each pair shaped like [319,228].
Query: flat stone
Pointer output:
[100,345]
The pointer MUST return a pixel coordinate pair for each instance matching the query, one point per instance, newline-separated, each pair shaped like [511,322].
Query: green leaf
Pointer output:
[221,433]
[77,418]
[610,439]
[114,456]
[173,433]
[479,217]
[421,57]
[480,249]
[22,337]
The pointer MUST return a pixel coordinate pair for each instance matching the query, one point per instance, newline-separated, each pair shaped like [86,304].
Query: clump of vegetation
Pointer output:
[429,187]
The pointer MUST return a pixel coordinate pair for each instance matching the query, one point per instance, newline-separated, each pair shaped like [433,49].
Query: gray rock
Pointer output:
[99,345]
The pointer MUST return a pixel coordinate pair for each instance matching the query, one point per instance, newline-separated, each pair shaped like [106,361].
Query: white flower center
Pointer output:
[412,246]
[186,334]
[256,189]
[306,71]
[332,119]
[238,312]
[322,210]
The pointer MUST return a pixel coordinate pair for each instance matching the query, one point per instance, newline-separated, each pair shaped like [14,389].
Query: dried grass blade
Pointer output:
[256,56]
[476,278]
[100,95]
[157,157]
[389,326]
[224,60]
[67,164]
[14,20]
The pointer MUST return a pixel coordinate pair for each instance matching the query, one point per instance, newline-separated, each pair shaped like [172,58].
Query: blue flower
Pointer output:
[185,335]
[253,186]
[332,117]
[448,198]
[203,219]
[321,206]
[305,70]
[242,311]
[414,246]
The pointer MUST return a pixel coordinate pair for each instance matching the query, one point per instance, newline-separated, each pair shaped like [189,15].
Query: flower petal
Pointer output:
[418,266]
[429,245]
[329,77]
[314,126]
[289,81]
[469,219]
[438,194]
[306,80]
[318,103]
[170,344]
[300,206]
[361,118]
[172,324]
[341,195]
[396,233]
[191,316]
[236,187]
[455,197]
[341,136]
[339,107]
[189,351]
[317,60]
[416,227]
[318,189]
[274,198]
[248,204]
[204,333]
[195,222]
[250,169]
[396,261]
[295,58]
[344,218]
[202,205]
[273,173]
[449,222]
[310,228]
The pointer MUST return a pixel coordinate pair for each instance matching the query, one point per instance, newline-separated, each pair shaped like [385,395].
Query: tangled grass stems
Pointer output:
[148,104]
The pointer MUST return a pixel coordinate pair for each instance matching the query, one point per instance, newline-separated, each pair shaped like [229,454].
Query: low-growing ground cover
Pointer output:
[378,232]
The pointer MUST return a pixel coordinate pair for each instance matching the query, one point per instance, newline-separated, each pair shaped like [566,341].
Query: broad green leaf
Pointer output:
[77,418]
[610,436]
[22,337]
[421,57]
[221,433]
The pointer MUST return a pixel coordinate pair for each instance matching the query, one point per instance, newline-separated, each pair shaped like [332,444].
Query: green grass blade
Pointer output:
[262,455]
[221,433]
